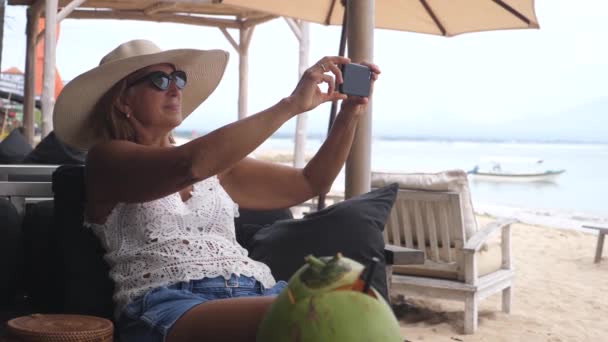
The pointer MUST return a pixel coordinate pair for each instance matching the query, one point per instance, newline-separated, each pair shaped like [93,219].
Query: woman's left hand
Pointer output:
[308,95]
[357,104]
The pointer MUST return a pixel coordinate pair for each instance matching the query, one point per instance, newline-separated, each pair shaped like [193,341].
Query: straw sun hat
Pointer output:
[74,107]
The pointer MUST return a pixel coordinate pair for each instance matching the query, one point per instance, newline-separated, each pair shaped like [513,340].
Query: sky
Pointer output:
[547,84]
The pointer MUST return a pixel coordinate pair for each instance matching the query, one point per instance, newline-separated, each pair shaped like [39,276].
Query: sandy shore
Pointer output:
[559,295]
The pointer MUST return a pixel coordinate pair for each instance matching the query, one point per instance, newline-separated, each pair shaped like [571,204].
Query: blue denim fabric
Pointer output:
[150,317]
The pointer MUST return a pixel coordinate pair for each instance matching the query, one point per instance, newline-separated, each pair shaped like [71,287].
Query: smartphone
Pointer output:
[357,80]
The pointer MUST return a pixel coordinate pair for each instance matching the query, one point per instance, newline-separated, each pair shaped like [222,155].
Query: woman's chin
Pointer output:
[174,116]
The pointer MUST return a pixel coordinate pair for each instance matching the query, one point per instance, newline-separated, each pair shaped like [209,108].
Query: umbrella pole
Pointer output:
[334,104]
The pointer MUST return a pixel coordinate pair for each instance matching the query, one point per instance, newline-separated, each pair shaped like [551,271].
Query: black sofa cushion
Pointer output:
[14,148]
[251,221]
[9,251]
[352,227]
[51,150]
[41,271]
[87,287]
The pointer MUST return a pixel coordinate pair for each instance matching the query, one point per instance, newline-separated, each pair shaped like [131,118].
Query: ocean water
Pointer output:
[577,195]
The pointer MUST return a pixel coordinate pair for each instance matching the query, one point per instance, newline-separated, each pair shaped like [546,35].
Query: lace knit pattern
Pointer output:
[167,241]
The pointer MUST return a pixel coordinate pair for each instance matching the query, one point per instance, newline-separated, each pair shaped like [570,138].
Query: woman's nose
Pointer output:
[173,89]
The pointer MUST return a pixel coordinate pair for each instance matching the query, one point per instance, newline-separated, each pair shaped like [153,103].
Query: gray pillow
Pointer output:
[353,227]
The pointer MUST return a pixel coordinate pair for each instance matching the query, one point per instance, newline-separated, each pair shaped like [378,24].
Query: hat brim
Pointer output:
[75,103]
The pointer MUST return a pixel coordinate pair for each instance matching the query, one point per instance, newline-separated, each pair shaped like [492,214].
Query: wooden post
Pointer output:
[244,40]
[48,74]
[302,31]
[360,48]
[29,86]
[471,314]
[600,245]
[602,231]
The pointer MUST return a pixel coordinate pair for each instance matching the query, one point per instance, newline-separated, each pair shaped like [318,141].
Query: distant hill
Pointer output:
[583,123]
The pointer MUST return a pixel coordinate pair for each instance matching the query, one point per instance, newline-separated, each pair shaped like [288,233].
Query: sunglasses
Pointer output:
[162,81]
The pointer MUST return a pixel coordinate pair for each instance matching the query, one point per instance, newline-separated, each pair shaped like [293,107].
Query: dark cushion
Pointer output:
[87,286]
[14,148]
[51,150]
[251,221]
[353,227]
[41,272]
[9,251]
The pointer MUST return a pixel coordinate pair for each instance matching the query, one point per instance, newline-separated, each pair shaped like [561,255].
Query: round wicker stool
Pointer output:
[61,328]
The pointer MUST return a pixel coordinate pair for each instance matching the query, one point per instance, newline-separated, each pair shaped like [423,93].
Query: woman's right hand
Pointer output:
[307,95]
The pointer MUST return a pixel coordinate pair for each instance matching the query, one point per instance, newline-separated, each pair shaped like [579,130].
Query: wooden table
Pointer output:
[602,231]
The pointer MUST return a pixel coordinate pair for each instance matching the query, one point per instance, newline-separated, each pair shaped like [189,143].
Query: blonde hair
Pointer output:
[110,122]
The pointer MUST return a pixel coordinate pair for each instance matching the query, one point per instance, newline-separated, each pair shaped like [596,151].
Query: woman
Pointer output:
[165,213]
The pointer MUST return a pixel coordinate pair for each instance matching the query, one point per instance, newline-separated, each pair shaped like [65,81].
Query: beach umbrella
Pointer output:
[439,17]
[436,17]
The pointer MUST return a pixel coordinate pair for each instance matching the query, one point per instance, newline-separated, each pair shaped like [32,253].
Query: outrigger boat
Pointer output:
[495,171]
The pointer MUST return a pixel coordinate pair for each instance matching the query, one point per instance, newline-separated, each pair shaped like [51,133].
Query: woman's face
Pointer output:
[152,107]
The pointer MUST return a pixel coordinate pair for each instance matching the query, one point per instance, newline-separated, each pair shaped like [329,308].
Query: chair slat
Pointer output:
[431,230]
[445,232]
[407,223]
[395,227]
[419,226]
[387,227]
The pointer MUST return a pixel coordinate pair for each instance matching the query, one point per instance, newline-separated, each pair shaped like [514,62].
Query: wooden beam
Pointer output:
[159,7]
[168,18]
[231,40]
[295,28]
[68,9]
[253,22]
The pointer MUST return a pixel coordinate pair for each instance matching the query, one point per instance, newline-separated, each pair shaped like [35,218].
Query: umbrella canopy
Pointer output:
[438,17]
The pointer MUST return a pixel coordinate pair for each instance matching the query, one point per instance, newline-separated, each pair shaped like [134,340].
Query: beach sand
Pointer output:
[559,295]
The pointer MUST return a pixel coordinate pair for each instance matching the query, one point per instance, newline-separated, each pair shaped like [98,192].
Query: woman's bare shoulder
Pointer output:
[109,147]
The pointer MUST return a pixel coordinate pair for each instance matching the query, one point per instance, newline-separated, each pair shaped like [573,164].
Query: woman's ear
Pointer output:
[123,106]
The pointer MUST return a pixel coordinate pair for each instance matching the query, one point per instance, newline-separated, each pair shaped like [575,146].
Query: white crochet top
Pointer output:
[166,241]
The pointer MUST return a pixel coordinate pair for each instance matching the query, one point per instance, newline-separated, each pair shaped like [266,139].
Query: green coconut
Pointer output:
[324,301]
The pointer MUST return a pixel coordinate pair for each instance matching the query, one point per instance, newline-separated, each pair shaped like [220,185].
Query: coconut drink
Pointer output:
[327,300]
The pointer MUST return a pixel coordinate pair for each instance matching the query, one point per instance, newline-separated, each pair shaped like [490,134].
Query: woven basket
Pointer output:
[61,328]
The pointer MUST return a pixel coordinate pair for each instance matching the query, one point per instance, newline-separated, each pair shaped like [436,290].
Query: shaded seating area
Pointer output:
[434,213]
[57,265]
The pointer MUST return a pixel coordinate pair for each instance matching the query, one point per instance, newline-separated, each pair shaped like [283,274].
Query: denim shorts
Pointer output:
[151,316]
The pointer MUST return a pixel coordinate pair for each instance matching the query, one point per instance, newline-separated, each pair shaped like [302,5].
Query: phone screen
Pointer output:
[357,80]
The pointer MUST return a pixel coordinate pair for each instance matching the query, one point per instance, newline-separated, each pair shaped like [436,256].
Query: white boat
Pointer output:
[514,170]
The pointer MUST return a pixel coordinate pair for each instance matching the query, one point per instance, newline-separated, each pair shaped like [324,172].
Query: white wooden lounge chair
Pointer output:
[433,213]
